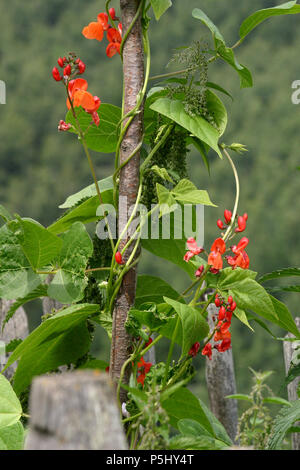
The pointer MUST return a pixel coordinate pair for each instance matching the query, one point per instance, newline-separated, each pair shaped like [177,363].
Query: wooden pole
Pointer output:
[15,328]
[74,411]
[220,380]
[288,349]
[133,76]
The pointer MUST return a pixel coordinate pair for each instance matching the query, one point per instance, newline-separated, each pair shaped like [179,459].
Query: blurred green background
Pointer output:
[40,167]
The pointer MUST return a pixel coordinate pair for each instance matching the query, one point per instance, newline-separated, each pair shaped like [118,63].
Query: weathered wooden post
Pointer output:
[16,328]
[220,380]
[74,411]
[288,349]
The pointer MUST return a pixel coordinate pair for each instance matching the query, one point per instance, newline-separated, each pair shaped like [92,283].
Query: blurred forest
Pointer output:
[40,167]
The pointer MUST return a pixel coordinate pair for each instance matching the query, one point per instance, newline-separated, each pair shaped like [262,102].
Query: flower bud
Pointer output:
[222,313]
[55,74]
[119,258]
[217,302]
[67,70]
[112,13]
[230,300]
[60,62]
[227,216]
[63,126]
[81,66]
[233,306]
[241,224]
[199,271]
[220,224]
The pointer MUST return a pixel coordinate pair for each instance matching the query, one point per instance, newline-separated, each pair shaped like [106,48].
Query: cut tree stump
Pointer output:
[74,411]
[220,379]
[15,328]
[288,349]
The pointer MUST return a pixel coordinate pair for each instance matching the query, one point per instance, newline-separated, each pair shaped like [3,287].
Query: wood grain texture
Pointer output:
[220,379]
[133,76]
[74,411]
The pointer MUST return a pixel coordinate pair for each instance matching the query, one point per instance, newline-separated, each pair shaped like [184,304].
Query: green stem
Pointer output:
[170,353]
[155,148]
[237,196]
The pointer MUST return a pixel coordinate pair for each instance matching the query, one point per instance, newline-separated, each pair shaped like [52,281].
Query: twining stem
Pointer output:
[170,353]
[237,196]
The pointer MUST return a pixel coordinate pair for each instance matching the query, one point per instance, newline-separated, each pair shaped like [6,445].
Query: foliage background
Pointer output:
[40,168]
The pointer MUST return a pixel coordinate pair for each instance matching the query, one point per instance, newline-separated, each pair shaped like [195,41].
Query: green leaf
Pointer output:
[280,273]
[190,427]
[230,278]
[277,401]
[172,247]
[194,326]
[105,320]
[248,294]
[17,278]
[39,245]
[166,200]
[283,421]
[256,18]
[241,315]
[10,407]
[218,428]
[69,282]
[293,373]
[198,126]
[85,212]
[187,193]
[162,173]
[200,15]
[285,319]
[12,437]
[40,291]
[61,339]
[89,191]
[94,364]
[217,109]
[160,7]
[103,138]
[240,396]
[184,405]
[227,54]
[153,289]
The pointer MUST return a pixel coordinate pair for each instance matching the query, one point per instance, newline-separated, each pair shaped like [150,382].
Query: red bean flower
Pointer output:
[95,29]
[81,97]
[194,350]
[218,248]
[143,369]
[224,345]
[193,248]
[114,42]
[227,216]
[207,351]
[241,259]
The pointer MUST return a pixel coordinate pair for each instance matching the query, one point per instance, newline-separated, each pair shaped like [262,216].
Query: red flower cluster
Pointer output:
[227,217]
[95,30]
[222,329]
[76,88]
[143,369]
[70,66]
